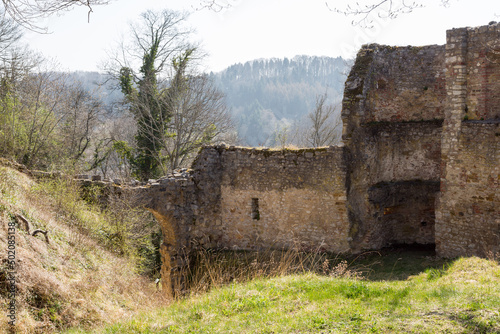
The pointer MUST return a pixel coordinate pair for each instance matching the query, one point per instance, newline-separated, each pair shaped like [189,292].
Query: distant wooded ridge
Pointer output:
[265,96]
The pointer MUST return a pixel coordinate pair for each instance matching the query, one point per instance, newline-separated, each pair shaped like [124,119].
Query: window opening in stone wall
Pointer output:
[255,209]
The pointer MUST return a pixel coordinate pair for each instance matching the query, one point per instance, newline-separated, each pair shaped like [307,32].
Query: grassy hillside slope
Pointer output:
[70,281]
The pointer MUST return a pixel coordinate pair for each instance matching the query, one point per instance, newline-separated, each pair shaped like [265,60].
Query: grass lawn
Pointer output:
[400,291]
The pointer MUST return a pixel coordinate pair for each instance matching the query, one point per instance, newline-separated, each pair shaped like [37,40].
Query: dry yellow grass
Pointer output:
[71,281]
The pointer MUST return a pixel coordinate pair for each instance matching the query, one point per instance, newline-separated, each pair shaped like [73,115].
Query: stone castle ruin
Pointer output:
[420,163]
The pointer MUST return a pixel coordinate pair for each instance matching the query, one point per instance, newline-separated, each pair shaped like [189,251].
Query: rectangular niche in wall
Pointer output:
[406,210]
[255,209]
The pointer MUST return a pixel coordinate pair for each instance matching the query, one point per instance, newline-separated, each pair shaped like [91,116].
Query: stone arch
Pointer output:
[174,253]
[166,249]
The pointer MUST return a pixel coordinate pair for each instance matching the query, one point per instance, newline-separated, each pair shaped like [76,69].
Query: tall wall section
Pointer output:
[468,210]
[392,112]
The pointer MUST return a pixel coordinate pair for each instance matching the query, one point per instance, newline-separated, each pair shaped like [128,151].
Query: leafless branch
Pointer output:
[45,233]
[27,226]
[27,12]
[325,124]
[165,28]
[215,5]
[363,11]
[198,115]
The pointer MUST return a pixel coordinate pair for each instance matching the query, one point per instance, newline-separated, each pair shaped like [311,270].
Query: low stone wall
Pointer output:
[284,199]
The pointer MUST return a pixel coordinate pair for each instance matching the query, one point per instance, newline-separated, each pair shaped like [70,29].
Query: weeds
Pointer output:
[209,269]
[434,273]
[127,231]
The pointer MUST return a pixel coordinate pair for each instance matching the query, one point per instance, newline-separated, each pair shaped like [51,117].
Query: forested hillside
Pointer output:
[267,95]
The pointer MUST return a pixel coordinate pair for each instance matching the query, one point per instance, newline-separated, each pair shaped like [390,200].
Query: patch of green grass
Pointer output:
[450,302]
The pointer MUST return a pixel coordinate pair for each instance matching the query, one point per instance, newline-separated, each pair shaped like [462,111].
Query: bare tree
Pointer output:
[44,118]
[15,68]
[325,124]
[196,114]
[142,66]
[199,116]
[81,114]
[10,34]
[163,32]
[40,106]
[363,11]
[111,152]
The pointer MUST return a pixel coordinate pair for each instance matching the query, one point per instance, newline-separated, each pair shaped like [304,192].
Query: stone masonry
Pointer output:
[420,163]
[249,199]
[468,209]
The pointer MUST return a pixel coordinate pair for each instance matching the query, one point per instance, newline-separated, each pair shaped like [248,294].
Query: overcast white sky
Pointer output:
[253,29]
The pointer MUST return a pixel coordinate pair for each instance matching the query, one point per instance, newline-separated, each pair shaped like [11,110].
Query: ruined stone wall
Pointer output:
[207,171]
[392,112]
[468,210]
[482,60]
[283,199]
[394,84]
[420,164]
[469,213]
[172,200]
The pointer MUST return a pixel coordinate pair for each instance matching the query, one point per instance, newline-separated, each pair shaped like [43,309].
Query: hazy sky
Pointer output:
[252,29]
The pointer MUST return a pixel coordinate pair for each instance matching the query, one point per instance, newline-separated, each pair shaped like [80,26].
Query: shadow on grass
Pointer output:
[473,324]
[397,262]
